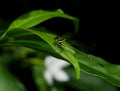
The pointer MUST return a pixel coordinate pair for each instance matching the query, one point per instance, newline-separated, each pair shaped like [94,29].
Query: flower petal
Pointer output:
[48,76]
[61,75]
[55,62]
[54,70]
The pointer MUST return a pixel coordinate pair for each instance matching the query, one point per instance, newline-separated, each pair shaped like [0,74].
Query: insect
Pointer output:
[60,43]
[63,45]
[59,40]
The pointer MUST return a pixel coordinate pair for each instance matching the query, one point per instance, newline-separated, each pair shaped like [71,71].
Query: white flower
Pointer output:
[54,70]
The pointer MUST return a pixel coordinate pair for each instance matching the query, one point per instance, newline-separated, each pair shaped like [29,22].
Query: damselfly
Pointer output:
[61,41]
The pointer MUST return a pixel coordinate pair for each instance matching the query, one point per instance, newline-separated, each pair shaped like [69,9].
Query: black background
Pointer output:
[99,21]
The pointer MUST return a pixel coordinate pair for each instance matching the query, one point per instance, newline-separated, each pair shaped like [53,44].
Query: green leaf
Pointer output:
[88,63]
[92,65]
[35,17]
[49,38]
[8,82]
[84,84]
[34,44]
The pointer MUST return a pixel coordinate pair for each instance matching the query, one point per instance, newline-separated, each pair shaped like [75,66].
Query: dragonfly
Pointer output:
[60,43]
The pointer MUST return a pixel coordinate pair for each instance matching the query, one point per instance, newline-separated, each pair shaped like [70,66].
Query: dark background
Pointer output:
[98,21]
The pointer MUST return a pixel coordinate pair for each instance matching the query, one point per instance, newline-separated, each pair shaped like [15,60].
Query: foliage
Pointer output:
[24,32]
